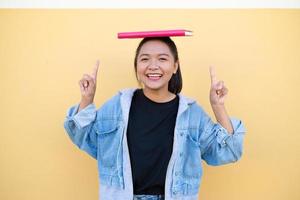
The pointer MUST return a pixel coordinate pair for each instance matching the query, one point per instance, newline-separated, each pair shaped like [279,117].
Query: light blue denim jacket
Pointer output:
[102,134]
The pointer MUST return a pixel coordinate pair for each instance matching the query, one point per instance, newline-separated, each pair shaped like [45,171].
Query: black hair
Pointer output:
[175,83]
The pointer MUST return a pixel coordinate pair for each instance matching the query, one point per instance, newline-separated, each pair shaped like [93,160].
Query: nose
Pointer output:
[153,65]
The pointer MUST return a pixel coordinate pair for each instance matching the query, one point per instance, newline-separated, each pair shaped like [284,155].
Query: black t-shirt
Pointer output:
[150,136]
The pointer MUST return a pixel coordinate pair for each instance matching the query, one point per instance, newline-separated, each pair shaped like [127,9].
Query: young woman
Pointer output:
[149,141]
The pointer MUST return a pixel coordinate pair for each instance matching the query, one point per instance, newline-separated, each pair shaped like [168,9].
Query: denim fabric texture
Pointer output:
[101,133]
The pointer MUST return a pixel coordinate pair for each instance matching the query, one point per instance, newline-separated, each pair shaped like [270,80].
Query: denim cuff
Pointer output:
[84,117]
[222,133]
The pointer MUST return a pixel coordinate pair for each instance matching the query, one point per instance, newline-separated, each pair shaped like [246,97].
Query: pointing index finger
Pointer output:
[95,70]
[212,74]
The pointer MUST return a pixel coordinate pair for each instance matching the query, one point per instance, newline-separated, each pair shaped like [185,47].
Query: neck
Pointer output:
[159,96]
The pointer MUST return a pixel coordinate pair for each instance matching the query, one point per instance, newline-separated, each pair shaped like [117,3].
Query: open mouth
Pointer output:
[153,76]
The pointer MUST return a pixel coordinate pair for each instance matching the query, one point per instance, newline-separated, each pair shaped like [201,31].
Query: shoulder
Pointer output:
[191,102]
[196,110]
[114,102]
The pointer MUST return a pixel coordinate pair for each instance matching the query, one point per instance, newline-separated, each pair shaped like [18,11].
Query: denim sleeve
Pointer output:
[79,127]
[218,147]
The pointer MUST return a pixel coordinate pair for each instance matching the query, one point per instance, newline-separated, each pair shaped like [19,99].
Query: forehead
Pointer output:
[155,47]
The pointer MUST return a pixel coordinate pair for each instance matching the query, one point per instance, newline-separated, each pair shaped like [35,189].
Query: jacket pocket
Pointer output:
[109,142]
[192,166]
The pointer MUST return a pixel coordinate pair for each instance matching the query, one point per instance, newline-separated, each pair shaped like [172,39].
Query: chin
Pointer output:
[153,86]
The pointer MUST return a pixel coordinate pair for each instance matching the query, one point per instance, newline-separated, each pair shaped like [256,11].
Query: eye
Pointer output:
[144,59]
[162,59]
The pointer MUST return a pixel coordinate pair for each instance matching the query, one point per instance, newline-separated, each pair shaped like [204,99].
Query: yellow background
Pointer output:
[44,53]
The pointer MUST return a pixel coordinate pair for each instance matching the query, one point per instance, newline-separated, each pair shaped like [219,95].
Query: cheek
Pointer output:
[169,69]
[168,75]
[140,69]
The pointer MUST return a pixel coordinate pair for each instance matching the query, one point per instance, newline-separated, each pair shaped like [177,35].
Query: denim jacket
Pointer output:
[102,134]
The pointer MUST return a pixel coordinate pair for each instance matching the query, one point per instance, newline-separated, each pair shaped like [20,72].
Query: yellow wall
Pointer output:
[44,53]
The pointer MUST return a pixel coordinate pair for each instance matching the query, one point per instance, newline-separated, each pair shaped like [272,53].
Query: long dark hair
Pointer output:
[175,83]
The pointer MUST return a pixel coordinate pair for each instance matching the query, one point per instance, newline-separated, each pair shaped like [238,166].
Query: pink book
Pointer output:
[161,33]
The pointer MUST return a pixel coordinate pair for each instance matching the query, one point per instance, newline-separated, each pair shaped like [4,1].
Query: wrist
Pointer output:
[218,106]
[85,102]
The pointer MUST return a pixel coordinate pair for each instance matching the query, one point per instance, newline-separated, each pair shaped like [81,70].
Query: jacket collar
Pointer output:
[128,93]
[184,102]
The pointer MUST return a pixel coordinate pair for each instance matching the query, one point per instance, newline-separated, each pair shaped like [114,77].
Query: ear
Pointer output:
[176,67]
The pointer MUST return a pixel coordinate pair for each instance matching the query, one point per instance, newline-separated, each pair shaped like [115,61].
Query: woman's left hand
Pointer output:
[218,91]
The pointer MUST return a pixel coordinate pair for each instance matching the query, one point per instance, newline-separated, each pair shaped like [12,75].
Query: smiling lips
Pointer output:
[154,76]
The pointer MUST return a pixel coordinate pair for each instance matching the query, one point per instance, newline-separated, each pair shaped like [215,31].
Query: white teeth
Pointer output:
[154,75]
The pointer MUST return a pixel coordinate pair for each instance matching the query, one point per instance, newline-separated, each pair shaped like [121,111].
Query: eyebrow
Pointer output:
[161,54]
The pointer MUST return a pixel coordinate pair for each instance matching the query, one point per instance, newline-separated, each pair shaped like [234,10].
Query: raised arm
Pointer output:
[88,85]
[220,142]
[80,118]
[218,92]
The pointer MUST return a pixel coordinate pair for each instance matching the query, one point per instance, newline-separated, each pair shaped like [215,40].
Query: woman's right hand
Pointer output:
[88,85]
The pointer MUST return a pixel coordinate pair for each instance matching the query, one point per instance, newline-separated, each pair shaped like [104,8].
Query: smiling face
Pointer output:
[155,65]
